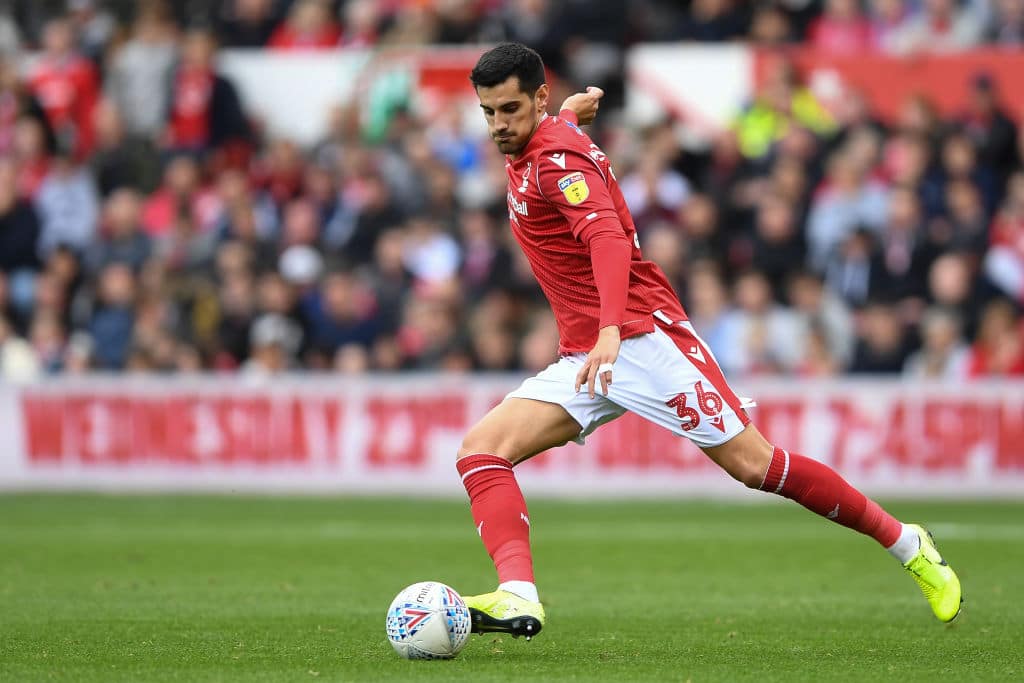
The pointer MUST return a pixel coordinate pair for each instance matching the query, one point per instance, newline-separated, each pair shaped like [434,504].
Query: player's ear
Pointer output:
[540,98]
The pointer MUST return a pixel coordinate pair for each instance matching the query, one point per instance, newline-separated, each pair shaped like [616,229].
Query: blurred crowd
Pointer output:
[148,224]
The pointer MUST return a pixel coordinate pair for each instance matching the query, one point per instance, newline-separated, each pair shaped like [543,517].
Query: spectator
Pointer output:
[123,240]
[17,102]
[846,200]
[67,86]
[94,26]
[965,227]
[988,125]
[960,162]
[654,191]
[19,227]
[841,29]
[824,314]
[770,26]
[951,285]
[999,348]
[114,316]
[905,253]
[181,196]
[940,26]
[274,341]
[139,77]
[341,312]
[247,23]
[778,244]
[18,363]
[888,19]
[781,104]
[1006,28]
[361,27]
[118,161]
[309,26]
[854,271]
[1004,260]
[763,337]
[32,155]
[711,21]
[882,345]
[205,111]
[68,206]
[944,354]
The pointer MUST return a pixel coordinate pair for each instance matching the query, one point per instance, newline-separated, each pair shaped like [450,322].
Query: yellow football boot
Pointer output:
[504,612]
[937,579]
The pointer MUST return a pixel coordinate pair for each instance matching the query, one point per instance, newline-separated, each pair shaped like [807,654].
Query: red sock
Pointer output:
[820,489]
[500,514]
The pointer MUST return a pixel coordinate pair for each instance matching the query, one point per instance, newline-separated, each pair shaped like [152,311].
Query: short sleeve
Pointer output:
[574,184]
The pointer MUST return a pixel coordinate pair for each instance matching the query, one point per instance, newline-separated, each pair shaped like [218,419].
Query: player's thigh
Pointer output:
[518,428]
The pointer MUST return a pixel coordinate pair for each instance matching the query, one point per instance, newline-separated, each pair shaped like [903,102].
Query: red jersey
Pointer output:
[560,184]
[68,90]
[190,108]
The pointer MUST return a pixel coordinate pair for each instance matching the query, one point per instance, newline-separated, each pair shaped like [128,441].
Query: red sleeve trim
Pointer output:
[570,116]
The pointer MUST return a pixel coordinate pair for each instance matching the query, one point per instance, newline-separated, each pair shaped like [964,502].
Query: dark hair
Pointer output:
[506,60]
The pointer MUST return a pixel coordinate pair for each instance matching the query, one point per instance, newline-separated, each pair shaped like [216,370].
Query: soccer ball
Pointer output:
[428,620]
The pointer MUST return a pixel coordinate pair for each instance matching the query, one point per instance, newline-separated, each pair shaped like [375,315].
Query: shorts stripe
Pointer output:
[684,340]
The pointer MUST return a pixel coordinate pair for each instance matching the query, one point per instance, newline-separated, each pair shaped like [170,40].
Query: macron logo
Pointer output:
[522,516]
[559,159]
[696,354]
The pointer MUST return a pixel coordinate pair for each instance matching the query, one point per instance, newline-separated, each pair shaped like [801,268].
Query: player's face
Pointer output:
[512,115]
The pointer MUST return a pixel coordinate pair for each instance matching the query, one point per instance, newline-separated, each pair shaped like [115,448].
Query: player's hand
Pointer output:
[599,361]
[584,104]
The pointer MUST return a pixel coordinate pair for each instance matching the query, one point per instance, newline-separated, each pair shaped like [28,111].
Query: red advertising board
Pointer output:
[890,437]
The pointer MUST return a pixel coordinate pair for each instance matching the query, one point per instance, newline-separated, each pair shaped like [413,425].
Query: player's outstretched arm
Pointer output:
[584,104]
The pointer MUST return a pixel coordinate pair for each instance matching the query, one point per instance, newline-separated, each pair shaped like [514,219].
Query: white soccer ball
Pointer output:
[428,620]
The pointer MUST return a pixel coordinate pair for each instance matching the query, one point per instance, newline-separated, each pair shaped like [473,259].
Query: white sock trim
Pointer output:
[524,589]
[486,467]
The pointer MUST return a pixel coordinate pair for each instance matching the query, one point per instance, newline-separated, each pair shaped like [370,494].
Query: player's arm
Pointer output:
[574,184]
[582,106]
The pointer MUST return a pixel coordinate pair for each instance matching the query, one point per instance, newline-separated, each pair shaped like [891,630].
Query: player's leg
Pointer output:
[513,431]
[749,458]
[673,363]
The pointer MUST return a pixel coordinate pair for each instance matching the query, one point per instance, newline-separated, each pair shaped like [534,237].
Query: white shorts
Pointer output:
[668,377]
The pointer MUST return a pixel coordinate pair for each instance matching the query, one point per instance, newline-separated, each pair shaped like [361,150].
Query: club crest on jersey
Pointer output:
[526,177]
[574,187]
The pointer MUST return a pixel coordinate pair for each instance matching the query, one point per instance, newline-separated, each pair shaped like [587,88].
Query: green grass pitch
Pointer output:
[136,588]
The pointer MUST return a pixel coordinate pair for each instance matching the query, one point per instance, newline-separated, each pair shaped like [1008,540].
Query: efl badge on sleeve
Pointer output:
[574,187]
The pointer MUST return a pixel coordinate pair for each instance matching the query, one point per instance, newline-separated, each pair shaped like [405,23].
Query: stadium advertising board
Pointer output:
[399,435]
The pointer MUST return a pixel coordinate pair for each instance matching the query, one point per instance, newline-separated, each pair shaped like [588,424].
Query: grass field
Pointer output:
[96,588]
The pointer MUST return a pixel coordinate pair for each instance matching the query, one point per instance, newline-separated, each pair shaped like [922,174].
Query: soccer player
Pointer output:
[620,325]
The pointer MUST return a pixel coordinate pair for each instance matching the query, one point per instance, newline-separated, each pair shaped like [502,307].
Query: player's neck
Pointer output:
[521,152]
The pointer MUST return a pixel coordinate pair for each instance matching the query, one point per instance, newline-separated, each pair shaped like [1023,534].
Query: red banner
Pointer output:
[389,437]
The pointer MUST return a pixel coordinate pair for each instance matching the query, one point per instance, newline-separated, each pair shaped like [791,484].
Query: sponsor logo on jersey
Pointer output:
[518,206]
[559,159]
[574,187]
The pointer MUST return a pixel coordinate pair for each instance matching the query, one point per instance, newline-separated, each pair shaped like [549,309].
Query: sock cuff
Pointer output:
[472,464]
[778,470]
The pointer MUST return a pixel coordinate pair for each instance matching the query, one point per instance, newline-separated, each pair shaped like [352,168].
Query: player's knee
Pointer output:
[475,443]
[747,466]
